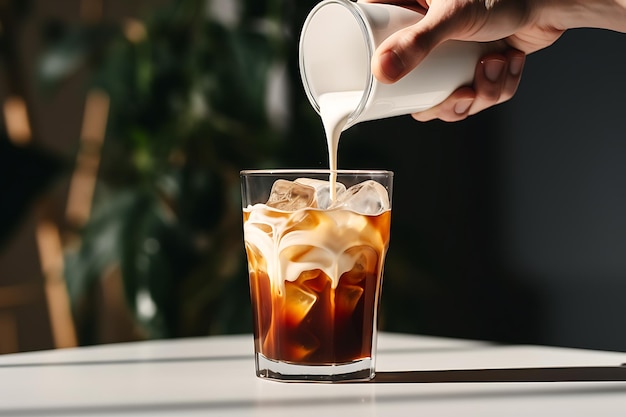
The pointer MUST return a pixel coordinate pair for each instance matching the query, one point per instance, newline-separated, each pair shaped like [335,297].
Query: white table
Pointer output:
[215,376]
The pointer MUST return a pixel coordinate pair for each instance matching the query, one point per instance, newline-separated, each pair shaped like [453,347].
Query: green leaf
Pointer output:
[69,48]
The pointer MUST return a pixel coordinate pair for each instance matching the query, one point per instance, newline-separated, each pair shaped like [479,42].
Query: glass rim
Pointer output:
[299,171]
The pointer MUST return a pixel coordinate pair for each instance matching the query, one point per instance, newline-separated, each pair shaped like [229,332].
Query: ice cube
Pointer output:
[298,302]
[365,263]
[303,346]
[368,197]
[290,196]
[347,297]
[322,190]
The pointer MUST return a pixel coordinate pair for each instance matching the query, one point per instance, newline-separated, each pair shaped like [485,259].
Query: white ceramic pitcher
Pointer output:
[338,40]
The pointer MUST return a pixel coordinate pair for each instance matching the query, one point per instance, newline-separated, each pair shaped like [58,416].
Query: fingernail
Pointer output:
[391,65]
[516,64]
[462,106]
[493,69]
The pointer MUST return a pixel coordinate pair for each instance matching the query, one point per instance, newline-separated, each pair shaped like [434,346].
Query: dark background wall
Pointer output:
[562,189]
[513,223]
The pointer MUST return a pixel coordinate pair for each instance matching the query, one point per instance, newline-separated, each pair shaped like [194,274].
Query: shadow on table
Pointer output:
[564,374]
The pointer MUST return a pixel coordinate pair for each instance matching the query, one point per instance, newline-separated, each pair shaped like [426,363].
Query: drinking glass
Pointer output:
[315,259]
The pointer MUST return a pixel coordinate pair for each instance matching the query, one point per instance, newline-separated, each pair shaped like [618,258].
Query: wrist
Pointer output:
[570,14]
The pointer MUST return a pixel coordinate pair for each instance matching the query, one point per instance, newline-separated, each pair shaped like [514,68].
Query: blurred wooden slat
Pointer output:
[8,333]
[95,117]
[20,294]
[84,178]
[51,258]
[16,120]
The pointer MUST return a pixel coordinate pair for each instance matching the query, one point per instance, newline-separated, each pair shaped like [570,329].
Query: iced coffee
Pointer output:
[316,251]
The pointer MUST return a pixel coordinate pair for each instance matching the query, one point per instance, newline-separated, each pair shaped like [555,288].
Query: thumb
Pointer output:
[404,50]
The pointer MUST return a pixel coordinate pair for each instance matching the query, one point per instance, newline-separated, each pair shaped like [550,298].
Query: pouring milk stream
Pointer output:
[337,43]
[335,108]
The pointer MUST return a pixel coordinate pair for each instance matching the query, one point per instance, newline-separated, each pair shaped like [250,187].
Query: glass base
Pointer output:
[360,370]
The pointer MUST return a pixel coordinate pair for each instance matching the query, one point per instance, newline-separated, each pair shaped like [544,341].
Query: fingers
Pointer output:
[496,79]
[417,5]
[405,49]
[456,107]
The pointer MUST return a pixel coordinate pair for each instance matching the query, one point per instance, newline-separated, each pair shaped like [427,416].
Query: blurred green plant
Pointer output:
[189,90]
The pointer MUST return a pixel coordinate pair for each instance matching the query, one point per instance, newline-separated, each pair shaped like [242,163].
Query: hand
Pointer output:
[497,75]
[514,22]
[496,80]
